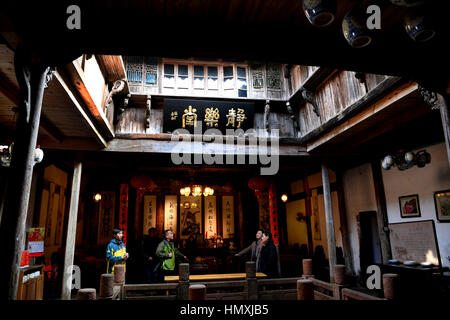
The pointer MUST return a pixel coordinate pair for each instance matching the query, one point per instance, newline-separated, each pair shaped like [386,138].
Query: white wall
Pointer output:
[424,182]
[359,196]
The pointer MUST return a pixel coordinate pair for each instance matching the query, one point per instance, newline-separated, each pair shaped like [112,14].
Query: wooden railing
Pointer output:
[249,289]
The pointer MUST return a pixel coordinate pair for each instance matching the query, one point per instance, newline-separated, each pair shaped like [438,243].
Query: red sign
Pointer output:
[123,211]
[273,214]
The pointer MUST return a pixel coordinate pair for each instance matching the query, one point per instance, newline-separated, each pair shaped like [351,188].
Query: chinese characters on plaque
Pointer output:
[228,216]
[210,217]
[170,213]
[149,220]
[221,115]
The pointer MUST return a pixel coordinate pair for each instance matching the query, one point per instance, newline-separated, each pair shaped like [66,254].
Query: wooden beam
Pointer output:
[445,118]
[382,219]
[331,240]
[348,119]
[71,231]
[80,109]
[112,68]
[74,75]
[367,100]
[32,79]
[152,146]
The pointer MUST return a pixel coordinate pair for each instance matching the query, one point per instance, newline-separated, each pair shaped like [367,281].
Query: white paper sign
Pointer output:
[210,217]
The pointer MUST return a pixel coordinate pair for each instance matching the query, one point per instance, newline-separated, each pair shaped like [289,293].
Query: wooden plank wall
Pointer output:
[333,96]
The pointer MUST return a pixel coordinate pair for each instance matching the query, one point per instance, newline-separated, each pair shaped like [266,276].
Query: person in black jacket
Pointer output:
[149,244]
[268,261]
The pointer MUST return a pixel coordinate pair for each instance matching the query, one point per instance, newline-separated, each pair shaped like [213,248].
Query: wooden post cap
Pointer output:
[119,273]
[305,289]
[250,269]
[106,285]
[184,271]
[86,294]
[390,285]
[339,274]
[197,292]
[307,267]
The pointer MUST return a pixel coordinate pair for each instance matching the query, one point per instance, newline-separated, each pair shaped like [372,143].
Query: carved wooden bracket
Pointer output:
[266,115]
[147,114]
[292,116]
[308,96]
[430,97]
[117,87]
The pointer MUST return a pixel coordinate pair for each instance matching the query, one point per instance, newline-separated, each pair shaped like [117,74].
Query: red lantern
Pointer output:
[142,182]
[258,184]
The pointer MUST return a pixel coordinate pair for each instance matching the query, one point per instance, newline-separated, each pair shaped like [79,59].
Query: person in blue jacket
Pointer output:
[116,253]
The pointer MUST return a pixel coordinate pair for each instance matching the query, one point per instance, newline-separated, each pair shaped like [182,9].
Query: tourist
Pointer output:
[268,257]
[116,253]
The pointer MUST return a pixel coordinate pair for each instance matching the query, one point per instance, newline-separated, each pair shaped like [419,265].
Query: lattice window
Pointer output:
[257,77]
[135,69]
[151,71]
[274,77]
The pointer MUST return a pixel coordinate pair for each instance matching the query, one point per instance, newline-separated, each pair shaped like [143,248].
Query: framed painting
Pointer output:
[442,204]
[409,206]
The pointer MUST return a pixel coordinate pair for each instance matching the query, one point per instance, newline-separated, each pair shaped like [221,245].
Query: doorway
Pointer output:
[370,249]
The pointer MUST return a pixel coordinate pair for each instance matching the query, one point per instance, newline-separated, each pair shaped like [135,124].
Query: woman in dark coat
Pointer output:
[268,261]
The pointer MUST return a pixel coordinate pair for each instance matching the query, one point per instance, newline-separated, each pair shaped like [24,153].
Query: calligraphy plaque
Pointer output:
[212,114]
[170,213]
[228,216]
[210,217]
[149,220]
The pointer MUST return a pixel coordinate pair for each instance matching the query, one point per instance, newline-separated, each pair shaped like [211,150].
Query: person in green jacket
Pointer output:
[167,252]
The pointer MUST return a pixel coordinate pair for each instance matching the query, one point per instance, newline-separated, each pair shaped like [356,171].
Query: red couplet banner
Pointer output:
[273,214]
[123,211]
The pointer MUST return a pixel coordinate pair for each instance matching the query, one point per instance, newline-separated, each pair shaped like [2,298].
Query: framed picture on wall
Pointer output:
[409,206]
[442,204]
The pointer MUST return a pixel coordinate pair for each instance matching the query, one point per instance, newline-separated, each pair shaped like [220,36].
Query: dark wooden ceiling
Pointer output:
[262,30]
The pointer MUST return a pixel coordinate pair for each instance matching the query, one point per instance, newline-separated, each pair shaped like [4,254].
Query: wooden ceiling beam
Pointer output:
[112,67]
[98,136]
[72,74]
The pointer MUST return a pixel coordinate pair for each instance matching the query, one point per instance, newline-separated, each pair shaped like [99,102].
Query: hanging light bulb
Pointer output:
[284,197]
[97,197]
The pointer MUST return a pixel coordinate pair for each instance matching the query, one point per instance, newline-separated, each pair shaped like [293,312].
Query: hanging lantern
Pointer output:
[258,184]
[142,182]
[227,187]
[97,197]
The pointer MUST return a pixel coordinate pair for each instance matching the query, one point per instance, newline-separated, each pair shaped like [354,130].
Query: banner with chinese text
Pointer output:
[123,211]
[170,213]
[149,213]
[221,115]
[210,217]
[228,216]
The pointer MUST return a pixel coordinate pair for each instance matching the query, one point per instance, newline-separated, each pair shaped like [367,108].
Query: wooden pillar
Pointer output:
[348,256]
[32,79]
[71,231]
[382,221]
[252,281]
[308,213]
[331,240]
[445,118]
